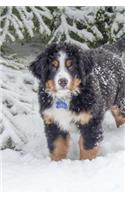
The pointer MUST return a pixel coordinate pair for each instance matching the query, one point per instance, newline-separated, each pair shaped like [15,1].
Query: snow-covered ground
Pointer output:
[26,167]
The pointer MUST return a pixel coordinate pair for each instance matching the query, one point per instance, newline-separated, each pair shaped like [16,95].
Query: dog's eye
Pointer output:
[69,63]
[55,63]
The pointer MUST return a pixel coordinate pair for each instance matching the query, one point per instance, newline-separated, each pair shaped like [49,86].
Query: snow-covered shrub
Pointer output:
[110,22]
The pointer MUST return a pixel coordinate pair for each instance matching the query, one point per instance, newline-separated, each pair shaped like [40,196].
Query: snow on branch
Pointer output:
[10,62]
[118,25]
[84,13]
[68,25]
[43,28]
[17,21]
[16,102]
[4,30]
[85,26]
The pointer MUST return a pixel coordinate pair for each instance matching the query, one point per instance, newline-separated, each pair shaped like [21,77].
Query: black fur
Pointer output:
[92,132]
[45,100]
[118,47]
[52,133]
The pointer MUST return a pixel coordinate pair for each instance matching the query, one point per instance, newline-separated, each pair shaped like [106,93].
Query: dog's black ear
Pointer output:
[38,67]
[35,67]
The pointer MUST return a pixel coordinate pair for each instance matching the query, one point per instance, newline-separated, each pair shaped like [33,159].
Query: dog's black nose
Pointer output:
[63,82]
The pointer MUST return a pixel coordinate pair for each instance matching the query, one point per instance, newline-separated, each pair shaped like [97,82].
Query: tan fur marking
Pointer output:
[60,149]
[87,154]
[118,116]
[85,117]
[50,85]
[47,119]
[74,84]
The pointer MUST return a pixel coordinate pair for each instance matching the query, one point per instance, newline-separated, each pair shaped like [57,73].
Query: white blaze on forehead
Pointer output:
[62,58]
[62,72]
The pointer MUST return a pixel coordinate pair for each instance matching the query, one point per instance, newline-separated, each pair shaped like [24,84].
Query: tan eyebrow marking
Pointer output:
[55,63]
[68,62]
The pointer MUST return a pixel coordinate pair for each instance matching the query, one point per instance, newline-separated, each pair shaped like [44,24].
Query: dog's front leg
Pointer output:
[57,139]
[90,136]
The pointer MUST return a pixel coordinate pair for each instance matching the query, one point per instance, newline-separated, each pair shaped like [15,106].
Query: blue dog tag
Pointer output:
[61,104]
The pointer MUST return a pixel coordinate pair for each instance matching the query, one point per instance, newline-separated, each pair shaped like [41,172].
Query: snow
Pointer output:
[82,13]
[26,173]
[26,167]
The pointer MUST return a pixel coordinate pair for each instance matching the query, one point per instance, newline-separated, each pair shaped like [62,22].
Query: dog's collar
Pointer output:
[62,104]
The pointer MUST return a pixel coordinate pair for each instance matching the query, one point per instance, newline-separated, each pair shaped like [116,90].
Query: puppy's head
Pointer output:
[62,69]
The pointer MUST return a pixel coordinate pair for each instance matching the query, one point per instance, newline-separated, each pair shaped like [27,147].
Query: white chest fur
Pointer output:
[63,117]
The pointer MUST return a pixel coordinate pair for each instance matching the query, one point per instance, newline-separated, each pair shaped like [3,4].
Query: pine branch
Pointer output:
[11,63]
[16,22]
[14,105]
[4,31]
[66,29]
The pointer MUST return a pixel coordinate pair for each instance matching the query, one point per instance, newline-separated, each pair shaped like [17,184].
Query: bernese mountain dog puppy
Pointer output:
[76,88]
